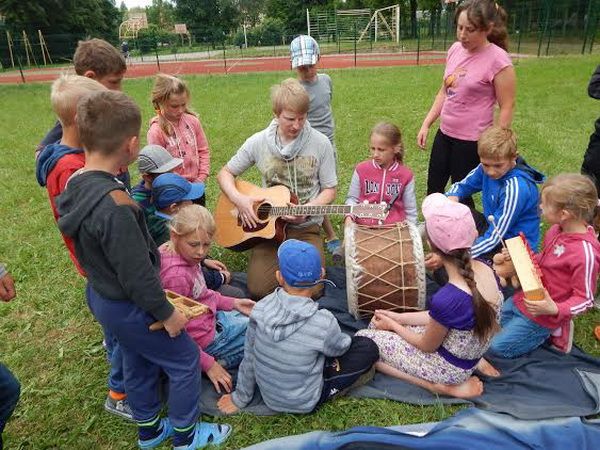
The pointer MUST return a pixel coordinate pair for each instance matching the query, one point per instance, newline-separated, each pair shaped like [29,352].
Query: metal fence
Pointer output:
[536,27]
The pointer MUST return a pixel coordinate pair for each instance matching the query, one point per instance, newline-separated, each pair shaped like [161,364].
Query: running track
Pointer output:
[218,66]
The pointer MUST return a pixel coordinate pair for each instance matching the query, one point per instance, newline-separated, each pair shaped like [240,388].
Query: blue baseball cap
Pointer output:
[300,264]
[170,188]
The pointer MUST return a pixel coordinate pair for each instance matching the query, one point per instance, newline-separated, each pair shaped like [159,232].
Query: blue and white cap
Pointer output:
[304,51]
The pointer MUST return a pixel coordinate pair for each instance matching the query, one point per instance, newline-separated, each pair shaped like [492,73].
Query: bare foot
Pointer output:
[470,388]
[485,368]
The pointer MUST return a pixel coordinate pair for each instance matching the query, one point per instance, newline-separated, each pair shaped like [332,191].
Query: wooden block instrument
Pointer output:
[233,235]
[188,307]
[530,275]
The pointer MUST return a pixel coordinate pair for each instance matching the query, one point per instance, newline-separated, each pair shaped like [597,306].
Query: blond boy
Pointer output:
[291,153]
[509,191]
[102,62]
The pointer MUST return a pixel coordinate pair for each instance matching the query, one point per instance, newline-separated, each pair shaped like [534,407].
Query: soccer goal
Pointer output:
[359,24]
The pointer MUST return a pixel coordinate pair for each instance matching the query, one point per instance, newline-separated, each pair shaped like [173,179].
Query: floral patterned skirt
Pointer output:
[396,352]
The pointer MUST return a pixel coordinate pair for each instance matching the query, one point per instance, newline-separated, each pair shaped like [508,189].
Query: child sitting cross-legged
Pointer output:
[439,349]
[295,352]
[219,333]
[170,192]
[569,263]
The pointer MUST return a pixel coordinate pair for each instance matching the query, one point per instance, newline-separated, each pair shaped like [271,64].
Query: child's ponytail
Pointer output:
[393,135]
[164,87]
[485,316]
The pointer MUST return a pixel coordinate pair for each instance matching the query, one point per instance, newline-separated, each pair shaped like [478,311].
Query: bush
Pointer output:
[152,37]
[268,32]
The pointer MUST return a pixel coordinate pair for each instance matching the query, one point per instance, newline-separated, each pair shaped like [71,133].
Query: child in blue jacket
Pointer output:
[509,191]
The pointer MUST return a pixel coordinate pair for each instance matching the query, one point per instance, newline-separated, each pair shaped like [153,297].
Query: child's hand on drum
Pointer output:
[433,261]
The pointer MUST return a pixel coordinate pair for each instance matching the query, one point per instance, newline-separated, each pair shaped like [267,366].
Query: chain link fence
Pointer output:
[536,28]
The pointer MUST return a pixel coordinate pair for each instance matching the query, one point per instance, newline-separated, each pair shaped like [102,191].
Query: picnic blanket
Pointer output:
[541,385]
[468,429]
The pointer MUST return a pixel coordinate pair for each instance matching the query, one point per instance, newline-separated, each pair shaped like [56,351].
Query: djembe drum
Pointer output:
[384,268]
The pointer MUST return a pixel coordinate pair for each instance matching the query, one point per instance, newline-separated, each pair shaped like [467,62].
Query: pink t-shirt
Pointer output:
[470,95]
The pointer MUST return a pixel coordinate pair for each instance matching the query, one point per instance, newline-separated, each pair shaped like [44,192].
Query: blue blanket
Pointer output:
[468,429]
[541,385]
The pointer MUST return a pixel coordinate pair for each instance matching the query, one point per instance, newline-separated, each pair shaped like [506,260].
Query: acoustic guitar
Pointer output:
[233,235]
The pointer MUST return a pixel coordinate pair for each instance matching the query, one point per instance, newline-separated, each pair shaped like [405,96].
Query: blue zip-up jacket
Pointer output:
[512,200]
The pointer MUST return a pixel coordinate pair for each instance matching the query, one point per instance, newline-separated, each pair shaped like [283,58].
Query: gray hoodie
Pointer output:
[287,341]
[306,166]
[112,242]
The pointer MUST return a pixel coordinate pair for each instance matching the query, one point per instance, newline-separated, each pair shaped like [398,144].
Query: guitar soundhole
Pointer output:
[263,211]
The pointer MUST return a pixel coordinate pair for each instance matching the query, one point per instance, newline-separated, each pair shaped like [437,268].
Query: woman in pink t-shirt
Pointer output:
[479,74]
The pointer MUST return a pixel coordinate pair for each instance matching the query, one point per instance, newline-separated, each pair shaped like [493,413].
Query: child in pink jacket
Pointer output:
[220,333]
[569,263]
[384,178]
[178,129]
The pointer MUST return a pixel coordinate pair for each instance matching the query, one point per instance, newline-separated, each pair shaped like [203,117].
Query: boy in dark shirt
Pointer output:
[123,290]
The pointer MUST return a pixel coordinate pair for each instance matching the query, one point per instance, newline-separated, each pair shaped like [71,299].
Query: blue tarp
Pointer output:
[467,430]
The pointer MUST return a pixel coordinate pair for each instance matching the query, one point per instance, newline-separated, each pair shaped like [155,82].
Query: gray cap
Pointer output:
[156,159]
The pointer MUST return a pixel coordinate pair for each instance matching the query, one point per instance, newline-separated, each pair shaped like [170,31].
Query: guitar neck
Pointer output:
[309,210]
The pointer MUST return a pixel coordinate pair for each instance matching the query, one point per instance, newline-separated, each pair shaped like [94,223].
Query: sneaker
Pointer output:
[166,432]
[120,408]
[207,434]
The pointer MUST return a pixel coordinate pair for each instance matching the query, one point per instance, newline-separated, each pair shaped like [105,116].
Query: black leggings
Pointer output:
[450,159]
[591,160]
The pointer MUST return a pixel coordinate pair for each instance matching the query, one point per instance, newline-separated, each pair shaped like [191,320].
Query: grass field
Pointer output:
[48,337]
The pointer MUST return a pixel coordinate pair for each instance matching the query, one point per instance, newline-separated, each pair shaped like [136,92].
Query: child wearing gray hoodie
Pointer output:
[295,352]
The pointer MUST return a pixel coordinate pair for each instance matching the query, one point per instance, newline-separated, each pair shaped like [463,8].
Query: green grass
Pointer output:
[48,337]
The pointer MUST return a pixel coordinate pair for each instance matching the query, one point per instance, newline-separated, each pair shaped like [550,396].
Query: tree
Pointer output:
[161,13]
[293,12]
[98,18]
[208,19]
[251,10]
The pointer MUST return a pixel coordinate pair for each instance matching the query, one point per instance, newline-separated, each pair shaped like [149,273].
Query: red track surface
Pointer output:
[216,66]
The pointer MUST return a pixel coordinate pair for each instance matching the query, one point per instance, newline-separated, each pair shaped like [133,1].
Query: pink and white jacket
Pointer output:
[569,263]
[186,279]
[187,142]
[371,183]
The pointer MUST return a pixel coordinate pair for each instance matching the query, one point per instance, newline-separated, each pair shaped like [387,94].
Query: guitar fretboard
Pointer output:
[309,210]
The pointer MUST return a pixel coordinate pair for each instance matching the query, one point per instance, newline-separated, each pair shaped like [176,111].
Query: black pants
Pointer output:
[450,159]
[341,372]
[591,160]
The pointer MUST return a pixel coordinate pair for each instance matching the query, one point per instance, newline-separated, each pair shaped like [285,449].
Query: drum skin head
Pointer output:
[384,268]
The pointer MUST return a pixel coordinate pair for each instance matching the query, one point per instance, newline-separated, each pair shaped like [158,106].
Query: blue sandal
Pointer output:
[166,433]
[207,434]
